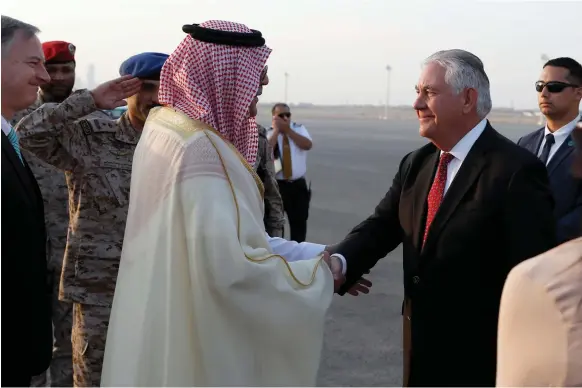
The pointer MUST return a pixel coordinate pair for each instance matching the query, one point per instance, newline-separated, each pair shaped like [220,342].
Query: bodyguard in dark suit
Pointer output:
[466,207]
[559,94]
[26,316]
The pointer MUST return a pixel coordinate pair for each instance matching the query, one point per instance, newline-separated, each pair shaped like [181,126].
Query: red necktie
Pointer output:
[437,191]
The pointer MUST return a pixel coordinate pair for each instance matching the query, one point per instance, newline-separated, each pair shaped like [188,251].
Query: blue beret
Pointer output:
[144,65]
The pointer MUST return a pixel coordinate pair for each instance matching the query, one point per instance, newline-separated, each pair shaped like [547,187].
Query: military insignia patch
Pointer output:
[86,127]
[72,48]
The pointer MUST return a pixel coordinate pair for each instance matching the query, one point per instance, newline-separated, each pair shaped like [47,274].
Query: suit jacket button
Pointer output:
[415,279]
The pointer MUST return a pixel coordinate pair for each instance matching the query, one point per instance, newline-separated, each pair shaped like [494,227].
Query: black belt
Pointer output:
[291,180]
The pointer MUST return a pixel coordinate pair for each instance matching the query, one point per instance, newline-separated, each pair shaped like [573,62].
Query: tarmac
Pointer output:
[351,166]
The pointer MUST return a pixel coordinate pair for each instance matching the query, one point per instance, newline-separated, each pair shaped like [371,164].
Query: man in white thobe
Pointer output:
[201,297]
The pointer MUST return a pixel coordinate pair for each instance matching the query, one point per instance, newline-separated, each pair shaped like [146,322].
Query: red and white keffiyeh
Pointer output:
[216,84]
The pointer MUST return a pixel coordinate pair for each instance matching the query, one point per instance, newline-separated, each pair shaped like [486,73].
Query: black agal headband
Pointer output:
[208,35]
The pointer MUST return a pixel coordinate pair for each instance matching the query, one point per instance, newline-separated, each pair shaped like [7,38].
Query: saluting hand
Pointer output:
[111,94]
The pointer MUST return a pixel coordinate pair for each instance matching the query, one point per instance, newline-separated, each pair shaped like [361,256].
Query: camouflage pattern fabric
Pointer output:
[60,372]
[96,154]
[89,335]
[25,112]
[274,215]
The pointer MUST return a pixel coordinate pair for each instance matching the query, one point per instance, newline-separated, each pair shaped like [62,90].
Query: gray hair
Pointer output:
[9,28]
[464,70]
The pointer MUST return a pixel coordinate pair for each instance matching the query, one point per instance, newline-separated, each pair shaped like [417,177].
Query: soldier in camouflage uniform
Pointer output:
[274,215]
[60,64]
[96,154]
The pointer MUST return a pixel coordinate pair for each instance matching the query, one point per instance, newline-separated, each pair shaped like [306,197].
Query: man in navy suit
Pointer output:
[559,93]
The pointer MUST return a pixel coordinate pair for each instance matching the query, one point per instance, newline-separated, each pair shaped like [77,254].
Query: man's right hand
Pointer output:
[335,265]
[362,286]
[111,94]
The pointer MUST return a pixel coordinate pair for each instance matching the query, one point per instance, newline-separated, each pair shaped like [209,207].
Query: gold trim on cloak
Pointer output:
[181,122]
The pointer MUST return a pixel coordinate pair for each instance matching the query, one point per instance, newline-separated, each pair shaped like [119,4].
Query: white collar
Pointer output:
[6,127]
[463,146]
[565,131]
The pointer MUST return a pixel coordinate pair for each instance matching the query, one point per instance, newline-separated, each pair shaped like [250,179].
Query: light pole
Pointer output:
[388,70]
[544,58]
[286,87]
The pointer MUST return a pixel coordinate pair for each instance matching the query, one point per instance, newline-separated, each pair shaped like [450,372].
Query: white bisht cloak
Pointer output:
[200,299]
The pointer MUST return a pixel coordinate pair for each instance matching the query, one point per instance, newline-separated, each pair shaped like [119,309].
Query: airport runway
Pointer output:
[351,167]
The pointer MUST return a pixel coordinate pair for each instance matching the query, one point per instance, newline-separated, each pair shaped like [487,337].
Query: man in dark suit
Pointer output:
[26,312]
[467,207]
[559,94]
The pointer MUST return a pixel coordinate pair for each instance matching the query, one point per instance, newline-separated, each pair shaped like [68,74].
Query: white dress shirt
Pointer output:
[460,152]
[298,156]
[560,137]
[294,251]
[6,127]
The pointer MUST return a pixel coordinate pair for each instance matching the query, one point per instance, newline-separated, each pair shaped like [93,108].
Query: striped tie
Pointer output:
[14,141]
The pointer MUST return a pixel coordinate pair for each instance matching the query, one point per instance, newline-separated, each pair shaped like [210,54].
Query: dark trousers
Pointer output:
[296,197]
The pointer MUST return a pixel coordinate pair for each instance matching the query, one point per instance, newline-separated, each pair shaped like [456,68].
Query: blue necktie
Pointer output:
[14,141]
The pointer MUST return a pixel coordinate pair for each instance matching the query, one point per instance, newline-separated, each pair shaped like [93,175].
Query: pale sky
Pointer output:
[335,51]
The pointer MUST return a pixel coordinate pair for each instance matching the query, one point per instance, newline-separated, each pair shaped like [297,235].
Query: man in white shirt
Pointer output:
[559,93]
[290,142]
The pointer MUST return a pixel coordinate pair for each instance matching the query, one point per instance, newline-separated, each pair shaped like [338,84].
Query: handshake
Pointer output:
[362,286]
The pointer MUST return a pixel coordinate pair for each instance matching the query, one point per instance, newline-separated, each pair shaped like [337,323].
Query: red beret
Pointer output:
[58,52]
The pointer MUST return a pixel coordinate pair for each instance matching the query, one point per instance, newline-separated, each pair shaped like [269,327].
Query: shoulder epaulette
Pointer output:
[262,130]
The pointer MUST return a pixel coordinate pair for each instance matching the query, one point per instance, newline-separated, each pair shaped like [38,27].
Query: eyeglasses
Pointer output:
[554,86]
[264,73]
[285,115]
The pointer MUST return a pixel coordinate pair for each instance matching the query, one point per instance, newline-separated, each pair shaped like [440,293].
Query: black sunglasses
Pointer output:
[553,86]
[285,115]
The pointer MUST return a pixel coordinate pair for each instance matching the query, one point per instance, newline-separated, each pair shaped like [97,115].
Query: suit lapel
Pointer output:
[21,170]
[565,149]
[466,176]
[422,186]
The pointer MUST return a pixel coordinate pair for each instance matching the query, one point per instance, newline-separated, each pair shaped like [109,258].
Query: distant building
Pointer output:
[91,83]
[79,83]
